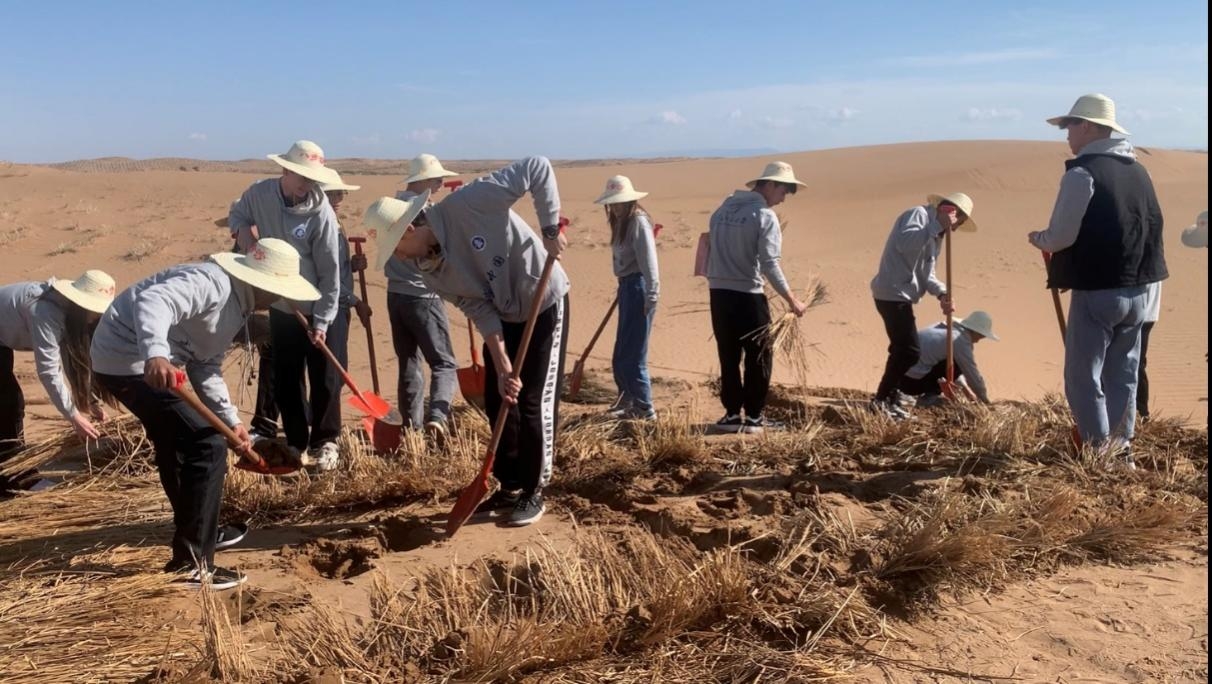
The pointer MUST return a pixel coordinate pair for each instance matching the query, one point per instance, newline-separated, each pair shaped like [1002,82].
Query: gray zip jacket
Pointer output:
[933,342]
[746,244]
[30,322]
[491,259]
[403,276]
[907,265]
[188,314]
[636,253]
[1073,198]
[310,227]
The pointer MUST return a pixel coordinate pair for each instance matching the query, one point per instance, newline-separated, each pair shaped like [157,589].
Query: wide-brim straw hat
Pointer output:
[426,167]
[980,323]
[306,159]
[93,291]
[387,218]
[339,185]
[1196,235]
[619,189]
[1095,108]
[271,265]
[962,202]
[777,171]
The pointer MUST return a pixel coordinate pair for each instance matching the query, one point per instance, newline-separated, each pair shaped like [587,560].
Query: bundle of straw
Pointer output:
[784,336]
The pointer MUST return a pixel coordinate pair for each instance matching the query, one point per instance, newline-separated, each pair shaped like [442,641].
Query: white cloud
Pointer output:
[197,136]
[423,135]
[669,117]
[775,122]
[992,114]
[832,115]
[975,58]
[735,115]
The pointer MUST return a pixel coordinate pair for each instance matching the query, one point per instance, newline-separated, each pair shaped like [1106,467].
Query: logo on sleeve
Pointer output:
[477,243]
[498,261]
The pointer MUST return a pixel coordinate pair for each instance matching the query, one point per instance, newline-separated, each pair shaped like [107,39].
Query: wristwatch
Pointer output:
[551,232]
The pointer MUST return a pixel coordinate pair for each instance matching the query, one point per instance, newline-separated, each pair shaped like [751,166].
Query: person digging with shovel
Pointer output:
[922,381]
[187,315]
[906,273]
[420,329]
[475,252]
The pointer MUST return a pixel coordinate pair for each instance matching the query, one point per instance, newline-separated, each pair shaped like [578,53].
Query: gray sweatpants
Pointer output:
[1102,351]
[419,330]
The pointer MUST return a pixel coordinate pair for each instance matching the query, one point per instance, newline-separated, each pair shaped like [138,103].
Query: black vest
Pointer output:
[1120,241]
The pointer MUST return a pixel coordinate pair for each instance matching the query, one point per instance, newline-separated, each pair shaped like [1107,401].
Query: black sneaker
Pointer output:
[219,579]
[731,422]
[230,535]
[502,500]
[755,426]
[527,511]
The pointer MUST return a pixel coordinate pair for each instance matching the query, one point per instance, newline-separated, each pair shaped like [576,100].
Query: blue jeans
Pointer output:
[1102,352]
[630,359]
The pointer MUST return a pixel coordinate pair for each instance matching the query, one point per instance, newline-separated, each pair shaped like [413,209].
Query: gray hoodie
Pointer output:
[403,276]
[1076,191]
[933,342]
[491,259]
[31,322]
[746,244]
[188,314]
[636,253]
[310,227]
[907,265]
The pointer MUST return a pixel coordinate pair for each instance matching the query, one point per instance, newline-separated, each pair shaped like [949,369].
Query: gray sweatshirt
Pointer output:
[403,276]
[1073,198]
[933,342]
[491,259]
[907,265]
[31,322]
[746,244]
[310,227]
[636,253]
[188,314]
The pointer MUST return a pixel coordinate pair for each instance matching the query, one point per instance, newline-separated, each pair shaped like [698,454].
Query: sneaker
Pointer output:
[502,500]
[527,511]
[323,458]
[219,578]
[755,426]
[731,422]
[616,413]
[888,409]
[230,535]
[930,400]
[900,399]
[639,414]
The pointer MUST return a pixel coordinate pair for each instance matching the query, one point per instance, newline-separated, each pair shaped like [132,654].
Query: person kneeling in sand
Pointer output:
[922,381]
[187,315]
[475,252]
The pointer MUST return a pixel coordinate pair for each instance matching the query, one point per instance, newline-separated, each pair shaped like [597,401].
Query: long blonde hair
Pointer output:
[74,349]
[619,217]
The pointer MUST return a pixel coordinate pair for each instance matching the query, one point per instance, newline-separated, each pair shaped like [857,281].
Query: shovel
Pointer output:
[473,493]
[578,368]
[1075,435]
[471,379]
[947,384]
[250,460]
[370,337]
[385,431]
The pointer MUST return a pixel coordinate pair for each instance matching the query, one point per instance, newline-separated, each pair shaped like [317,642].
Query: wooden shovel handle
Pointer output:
[332,358]
[214,421]
[370,336]
[471,337]
[601,326]
[1056,299]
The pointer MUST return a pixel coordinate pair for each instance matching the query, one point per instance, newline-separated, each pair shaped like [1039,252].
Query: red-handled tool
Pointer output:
[578,368]
[453,185]
[250,460]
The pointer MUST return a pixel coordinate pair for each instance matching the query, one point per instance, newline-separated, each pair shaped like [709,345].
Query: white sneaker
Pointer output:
[324,458]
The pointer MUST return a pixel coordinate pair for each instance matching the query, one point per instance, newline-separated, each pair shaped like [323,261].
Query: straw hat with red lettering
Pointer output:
[386,219]
[961,202]
[778,171]
[978,322]
[306,159]
[426,167]
[271,265]
[94,290]
[619,189]
[1096,108]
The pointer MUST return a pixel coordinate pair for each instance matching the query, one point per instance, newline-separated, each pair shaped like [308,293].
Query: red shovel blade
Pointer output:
[374,405]
[264,468]
[574,383]
[469,500]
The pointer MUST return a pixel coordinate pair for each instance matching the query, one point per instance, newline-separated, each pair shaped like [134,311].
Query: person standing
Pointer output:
[420,328]
[906,274]
[1105,236]
[54,319]
[187,316]
[1152,314]
[475,252]
[292,208]
[634,257]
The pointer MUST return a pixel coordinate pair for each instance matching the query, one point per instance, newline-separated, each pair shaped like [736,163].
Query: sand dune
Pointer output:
[58,222]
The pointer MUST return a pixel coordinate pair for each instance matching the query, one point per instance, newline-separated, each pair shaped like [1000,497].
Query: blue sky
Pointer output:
[472,79]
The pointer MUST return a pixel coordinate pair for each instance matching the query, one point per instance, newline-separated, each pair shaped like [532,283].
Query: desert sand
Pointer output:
[1140,623]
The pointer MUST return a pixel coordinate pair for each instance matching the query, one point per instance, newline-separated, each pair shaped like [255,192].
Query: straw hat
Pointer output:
[978,322]
[271,265]
[1196,235]
[619,189]
[777,171]
[425,167]
[306,159]
[94,290]
[387,218]
[338,185]
[962,202]
[1096,108]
